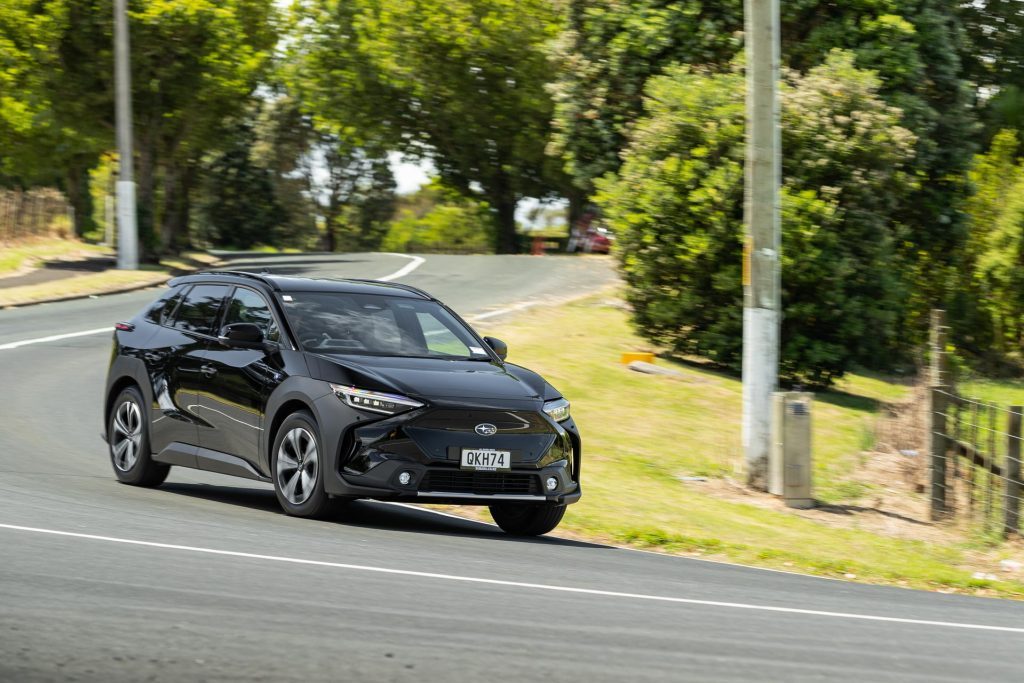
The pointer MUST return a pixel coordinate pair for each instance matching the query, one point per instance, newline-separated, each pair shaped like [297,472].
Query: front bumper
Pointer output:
[427,444]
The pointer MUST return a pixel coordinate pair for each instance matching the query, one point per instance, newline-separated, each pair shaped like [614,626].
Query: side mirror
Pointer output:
[498,346]
[243,335]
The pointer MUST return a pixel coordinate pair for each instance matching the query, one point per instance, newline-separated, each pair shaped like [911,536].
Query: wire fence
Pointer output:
[975,461]
[33,213]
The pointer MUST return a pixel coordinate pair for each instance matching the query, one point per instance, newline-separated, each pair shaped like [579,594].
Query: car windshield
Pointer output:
[378,325]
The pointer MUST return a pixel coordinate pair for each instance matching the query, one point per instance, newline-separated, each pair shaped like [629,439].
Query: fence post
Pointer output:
[938,449]
[1013,482]
[939,375]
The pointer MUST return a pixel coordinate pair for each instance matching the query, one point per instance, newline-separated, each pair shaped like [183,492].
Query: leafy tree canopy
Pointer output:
[458,81]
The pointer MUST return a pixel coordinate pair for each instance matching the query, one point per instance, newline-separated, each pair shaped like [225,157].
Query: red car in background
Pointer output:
[589,236]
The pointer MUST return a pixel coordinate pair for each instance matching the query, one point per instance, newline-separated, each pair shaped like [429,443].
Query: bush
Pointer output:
[677,207]
[437,219]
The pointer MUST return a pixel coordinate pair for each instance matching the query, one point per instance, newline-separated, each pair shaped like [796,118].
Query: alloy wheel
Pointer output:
[127,435]
[297,464]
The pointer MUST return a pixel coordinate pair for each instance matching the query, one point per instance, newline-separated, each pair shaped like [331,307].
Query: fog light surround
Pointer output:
[551,483]
[405,478]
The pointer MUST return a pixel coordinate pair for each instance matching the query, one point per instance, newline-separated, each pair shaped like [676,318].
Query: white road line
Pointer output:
[502,311]
[415,263]
[56,337]
[521,584]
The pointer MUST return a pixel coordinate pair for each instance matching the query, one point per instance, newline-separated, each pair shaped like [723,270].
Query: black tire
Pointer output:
[299,482]
[526,519]
[128,441]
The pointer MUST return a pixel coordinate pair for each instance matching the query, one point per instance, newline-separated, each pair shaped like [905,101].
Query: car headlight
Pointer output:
[557,409]
[375,401]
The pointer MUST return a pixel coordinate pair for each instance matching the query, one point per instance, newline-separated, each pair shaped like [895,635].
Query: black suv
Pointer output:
[337,390]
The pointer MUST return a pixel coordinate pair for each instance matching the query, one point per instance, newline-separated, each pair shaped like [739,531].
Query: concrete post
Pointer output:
[128,237]
[761,275]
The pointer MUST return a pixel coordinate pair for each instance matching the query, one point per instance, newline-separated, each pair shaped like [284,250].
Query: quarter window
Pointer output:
[198,312]
[247,306]
[163,307]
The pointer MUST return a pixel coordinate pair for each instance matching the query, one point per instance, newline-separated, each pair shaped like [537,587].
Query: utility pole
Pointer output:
[127,232]
[761,276]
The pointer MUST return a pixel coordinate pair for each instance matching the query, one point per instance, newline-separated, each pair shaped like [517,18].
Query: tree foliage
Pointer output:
[437,218]
[460,82]
[677,207]
[195,65]
[241,210]
[993,281]
[605,56]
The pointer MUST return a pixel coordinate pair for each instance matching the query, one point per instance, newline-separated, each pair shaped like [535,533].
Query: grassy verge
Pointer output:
[1004,392]
[16,257]
[105,281]
[82,285]
[642,433]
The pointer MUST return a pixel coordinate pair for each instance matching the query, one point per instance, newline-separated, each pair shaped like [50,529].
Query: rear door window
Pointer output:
[199,310]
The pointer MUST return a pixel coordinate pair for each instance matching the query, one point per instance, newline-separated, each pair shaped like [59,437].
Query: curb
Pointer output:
[123,289]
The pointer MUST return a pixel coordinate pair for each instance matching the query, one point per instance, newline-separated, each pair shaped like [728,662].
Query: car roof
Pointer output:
[282,283]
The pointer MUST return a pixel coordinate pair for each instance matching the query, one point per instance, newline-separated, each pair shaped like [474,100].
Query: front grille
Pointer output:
[481,483]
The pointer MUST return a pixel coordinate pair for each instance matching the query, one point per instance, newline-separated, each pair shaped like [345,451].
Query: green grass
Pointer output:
[641,432]
[1003,392]
[15,257]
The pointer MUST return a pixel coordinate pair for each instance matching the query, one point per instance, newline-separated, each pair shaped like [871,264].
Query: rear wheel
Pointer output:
[527,520]
[128,439]
[297,466]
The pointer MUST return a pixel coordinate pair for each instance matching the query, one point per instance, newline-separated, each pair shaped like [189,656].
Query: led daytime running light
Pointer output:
[374,401]
[557,409]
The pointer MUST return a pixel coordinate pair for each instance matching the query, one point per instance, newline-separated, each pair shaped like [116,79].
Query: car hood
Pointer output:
[433,378]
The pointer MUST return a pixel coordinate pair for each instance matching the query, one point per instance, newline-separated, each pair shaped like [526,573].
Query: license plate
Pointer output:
[486,459]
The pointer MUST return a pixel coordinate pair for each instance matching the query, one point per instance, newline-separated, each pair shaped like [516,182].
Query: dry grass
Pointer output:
[82,285]
[19,257]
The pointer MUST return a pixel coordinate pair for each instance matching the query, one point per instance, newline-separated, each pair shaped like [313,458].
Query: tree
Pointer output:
[460,82]
[195,66]
[364,223]
[53,85]
[242,210]
[990,312]
[284,135]
[677,207]
[611,50]
[438,218]
[319,175]
[606,55]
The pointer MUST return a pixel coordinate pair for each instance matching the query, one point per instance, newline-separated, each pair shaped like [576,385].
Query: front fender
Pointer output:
[283,401]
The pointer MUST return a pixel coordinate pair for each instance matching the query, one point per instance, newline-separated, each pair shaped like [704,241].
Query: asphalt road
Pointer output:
[205,579]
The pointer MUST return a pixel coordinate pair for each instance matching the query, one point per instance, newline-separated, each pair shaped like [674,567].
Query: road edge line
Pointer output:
[520,584]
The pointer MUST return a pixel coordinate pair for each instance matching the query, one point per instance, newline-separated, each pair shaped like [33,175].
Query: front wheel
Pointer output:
[526,519]
[297,467]
[128,438]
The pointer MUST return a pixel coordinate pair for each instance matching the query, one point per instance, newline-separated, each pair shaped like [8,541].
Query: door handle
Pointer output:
[208,371]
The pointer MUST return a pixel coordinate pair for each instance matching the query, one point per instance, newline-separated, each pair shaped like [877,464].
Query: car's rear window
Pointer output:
[372,324]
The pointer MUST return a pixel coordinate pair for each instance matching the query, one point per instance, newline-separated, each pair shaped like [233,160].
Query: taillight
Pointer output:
[124,327]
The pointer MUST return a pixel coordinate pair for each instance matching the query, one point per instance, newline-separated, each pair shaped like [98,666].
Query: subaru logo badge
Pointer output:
[486,429]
